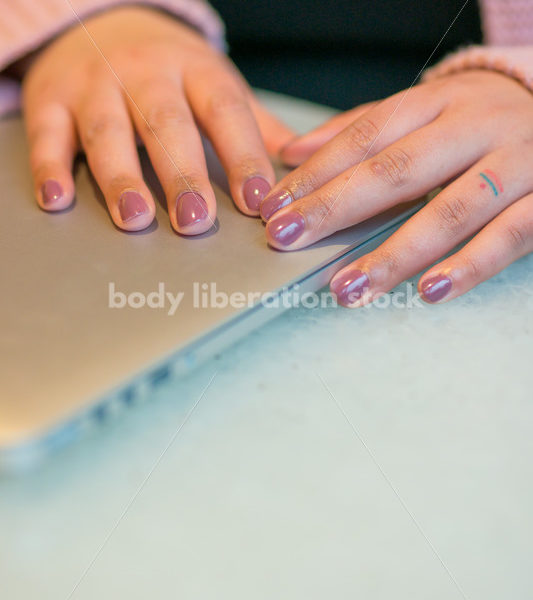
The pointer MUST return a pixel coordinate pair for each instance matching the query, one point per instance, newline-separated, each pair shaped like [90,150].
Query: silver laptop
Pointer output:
[93,318]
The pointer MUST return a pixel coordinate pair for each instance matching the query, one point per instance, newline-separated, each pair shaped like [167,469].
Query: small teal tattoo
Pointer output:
[492,180]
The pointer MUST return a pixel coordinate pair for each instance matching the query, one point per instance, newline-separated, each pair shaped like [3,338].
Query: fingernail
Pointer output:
[254,191]
[287,228]
[131,205]
[51,192]
[435,288]
[274,203]
[350,286]
[191,209]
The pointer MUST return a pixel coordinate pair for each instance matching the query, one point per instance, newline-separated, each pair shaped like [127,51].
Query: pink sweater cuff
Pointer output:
[27,24]
[514,61]
[507,22]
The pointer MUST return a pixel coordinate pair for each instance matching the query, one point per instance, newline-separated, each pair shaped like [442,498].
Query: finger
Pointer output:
[274,132]
[299,149]
[406,170]
[107,136]
[372,132]
[52,142]
[505,239]
[220,103]
[452,216]
[166,125]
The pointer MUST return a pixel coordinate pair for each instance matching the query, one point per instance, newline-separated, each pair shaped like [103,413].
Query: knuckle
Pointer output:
[517,237]
[304,181]
[452,213]
[161,116]
[361,134]
[323,207]
[96,127]
[225,101]
[393,166]
[472,267]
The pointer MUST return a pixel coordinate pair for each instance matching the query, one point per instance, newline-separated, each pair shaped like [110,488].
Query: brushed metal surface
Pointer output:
[62,348]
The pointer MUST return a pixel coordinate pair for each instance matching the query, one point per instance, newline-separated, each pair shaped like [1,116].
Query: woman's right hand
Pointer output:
[136,70]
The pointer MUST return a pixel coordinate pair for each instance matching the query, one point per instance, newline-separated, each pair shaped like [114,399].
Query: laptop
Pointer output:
[92,318]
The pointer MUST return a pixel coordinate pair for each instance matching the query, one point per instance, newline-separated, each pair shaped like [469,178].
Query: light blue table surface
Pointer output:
[375,454]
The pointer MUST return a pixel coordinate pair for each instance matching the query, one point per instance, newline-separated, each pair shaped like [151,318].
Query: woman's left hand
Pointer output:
[471,132]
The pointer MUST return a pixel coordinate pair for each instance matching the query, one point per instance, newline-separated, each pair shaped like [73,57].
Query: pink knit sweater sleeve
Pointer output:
[508,33]
[27,24]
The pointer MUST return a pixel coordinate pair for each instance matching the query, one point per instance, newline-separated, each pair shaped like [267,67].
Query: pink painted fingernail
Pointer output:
[350,286]
[131,205]
[191,209]
[51,192]
[274,203]
[436,288]
[254,191]
[286,228]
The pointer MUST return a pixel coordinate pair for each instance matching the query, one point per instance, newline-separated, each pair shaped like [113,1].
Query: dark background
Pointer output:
[344,52]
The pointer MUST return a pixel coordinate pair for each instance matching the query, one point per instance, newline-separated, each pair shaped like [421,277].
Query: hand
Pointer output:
[472,131]
[154,76]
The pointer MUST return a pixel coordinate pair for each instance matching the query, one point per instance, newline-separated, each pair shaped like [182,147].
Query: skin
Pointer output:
[462,133]
[144,73]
